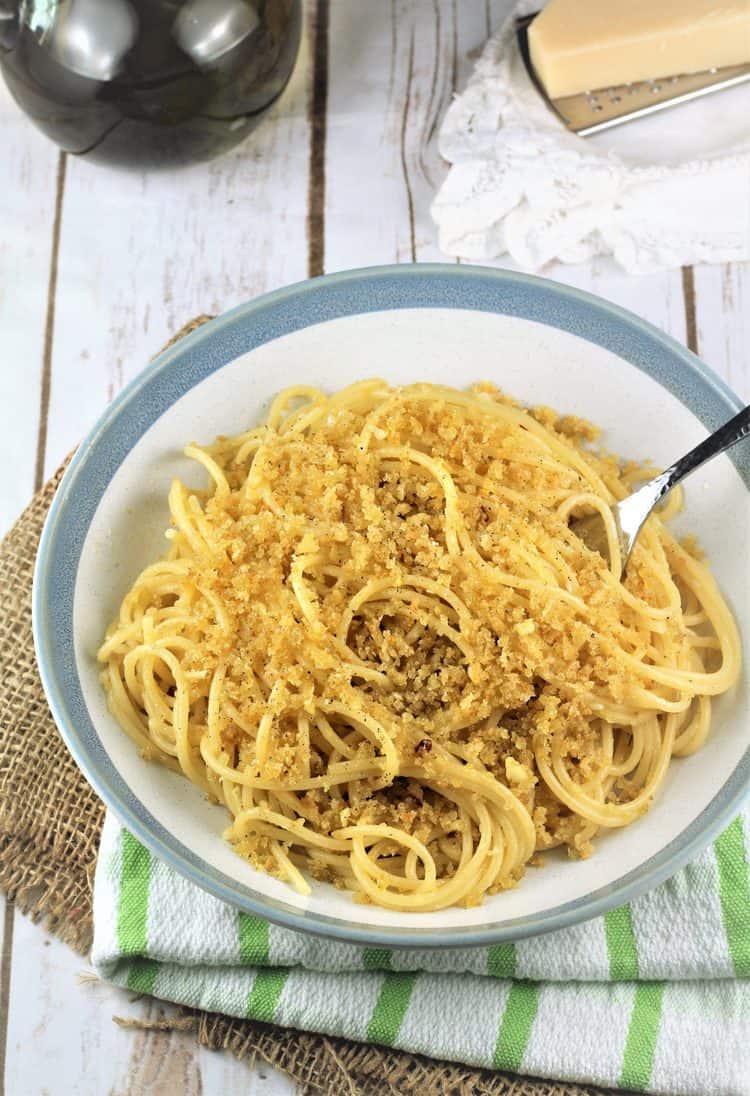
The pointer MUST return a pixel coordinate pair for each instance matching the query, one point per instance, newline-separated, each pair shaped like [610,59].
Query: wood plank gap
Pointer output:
[316,194]
[49,327]
[688,295]
[404,166]
[5,967]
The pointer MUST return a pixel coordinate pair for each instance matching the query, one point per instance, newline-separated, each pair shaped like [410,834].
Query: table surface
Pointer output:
[99,268]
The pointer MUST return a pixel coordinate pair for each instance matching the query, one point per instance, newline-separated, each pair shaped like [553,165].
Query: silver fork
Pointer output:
[631,514]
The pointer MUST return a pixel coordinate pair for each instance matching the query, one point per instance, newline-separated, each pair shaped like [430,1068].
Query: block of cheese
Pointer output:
[582,45]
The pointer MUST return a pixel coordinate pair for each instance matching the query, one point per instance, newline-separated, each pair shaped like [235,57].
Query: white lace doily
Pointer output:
[661,192]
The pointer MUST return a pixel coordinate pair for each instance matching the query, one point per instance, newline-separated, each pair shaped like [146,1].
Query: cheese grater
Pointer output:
[592,111]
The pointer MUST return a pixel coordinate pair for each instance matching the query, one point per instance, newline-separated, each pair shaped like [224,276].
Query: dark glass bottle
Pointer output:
[147,83]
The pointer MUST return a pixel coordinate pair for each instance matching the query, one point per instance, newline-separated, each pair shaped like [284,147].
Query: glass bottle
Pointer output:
[147,82]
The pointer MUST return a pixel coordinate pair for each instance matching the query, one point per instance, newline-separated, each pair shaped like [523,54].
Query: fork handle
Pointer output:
[726,436]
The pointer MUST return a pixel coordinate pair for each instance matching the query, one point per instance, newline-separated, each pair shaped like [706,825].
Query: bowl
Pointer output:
[543,343]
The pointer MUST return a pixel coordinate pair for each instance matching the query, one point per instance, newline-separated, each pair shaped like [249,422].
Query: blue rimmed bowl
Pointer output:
[543,343]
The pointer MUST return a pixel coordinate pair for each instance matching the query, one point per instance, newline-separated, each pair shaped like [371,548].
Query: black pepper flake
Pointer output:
[424,746]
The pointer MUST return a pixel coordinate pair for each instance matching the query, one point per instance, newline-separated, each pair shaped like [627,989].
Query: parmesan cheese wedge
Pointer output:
[583,45]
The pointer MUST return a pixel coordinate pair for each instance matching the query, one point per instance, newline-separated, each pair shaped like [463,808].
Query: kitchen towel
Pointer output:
[658,193]
[652,997]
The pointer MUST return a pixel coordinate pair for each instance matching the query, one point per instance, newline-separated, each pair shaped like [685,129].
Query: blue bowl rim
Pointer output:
[683,374]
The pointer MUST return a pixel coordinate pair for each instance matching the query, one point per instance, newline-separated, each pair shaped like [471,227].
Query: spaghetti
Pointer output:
[377,641]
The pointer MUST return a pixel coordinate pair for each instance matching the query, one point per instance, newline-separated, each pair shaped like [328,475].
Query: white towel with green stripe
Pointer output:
[652,997]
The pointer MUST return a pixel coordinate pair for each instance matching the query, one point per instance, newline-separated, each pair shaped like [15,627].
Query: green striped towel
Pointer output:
[652,997]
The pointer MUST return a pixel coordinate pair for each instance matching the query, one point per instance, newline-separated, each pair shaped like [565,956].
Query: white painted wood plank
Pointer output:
[2,934]
[440,72]
[384,109]
[62,1038]
[176,244]
[439,49]
[722,315]
[27,200]
[223,1074]
[5,975]
[367,204]
[60,1033]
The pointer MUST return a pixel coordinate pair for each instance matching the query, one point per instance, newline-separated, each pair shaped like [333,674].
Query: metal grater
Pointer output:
[593,111]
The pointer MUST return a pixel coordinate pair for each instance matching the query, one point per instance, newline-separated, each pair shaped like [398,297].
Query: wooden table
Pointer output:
[98,268]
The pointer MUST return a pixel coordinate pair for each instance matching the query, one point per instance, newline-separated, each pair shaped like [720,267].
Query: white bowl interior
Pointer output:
[532,361]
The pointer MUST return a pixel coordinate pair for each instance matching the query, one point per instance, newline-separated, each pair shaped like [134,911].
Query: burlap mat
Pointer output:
[50,821]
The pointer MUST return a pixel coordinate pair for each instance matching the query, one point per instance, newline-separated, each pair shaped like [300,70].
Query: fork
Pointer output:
[631,513]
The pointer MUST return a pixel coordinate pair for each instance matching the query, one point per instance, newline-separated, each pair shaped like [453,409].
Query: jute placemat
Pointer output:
[50,822]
